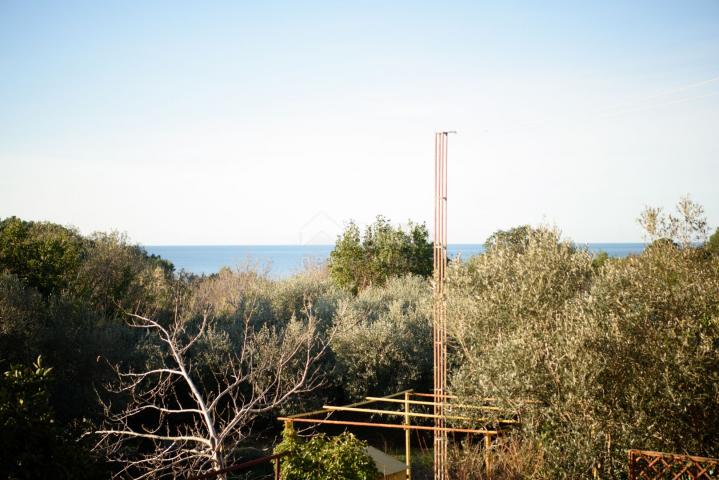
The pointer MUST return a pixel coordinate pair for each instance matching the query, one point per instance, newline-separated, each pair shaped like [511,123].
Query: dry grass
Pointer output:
[510,458]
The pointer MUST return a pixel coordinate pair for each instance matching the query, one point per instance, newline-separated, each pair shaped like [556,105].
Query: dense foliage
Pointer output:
[359,261]
[63,296]
[67,296]
[615,353]
[383,344]
[622,356]
[325,458]
[43,255]
[391,322]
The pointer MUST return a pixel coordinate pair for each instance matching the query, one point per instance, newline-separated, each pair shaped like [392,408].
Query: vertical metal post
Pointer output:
[436,327]
[407,446]
[277,468]
[440,309]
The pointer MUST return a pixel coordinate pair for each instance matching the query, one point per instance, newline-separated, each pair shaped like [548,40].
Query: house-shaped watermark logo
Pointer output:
[320,229]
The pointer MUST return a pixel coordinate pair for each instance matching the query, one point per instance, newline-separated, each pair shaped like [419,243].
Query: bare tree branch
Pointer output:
[194,413]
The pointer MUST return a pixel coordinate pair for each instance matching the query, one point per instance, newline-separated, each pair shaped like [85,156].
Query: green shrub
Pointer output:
[43,255]
[342,457]
[359,261]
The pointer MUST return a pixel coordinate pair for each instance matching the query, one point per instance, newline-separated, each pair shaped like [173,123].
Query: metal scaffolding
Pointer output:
[408,400]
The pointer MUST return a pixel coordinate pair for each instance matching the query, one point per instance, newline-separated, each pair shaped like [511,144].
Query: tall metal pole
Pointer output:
[440,309]
[407,436]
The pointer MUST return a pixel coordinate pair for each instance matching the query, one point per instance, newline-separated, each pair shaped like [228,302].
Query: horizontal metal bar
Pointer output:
[307,414]
[392,425]
[410,414]
[393,395]
[436,404]
[446,396]
[487,399]
[356,404]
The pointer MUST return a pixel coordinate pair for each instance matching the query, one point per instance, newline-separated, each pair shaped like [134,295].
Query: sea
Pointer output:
[281,261]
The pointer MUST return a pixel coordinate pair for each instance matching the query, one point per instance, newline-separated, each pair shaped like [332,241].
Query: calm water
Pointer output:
[285,260]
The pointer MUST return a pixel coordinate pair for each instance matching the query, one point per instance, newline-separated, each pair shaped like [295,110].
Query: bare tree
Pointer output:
[186,411]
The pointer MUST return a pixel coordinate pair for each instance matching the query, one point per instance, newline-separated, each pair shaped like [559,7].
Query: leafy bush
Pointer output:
[383,342]
[233,295]
[342,457]
[382,336]
[43,255]
[384,251]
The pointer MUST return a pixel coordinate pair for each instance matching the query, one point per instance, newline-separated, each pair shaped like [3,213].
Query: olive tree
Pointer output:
[383,341]
[653,351]
[688,226]
[617,356]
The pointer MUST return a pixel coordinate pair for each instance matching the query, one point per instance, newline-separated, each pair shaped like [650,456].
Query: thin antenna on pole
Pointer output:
[439,319]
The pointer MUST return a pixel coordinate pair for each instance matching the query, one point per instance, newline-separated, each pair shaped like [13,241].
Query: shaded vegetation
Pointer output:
[33,444]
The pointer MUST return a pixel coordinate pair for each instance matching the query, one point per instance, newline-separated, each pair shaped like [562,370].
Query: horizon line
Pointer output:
[332,244]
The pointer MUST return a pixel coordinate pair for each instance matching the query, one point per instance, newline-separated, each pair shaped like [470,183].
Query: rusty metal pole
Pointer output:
[407,445]
[438,467]
[444,306]
[440,309]
[435,315]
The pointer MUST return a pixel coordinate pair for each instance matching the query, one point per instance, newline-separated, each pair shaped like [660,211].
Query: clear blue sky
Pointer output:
[268,122]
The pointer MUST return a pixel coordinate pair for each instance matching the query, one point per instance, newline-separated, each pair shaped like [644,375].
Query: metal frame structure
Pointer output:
[439,319]
[405,399]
